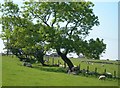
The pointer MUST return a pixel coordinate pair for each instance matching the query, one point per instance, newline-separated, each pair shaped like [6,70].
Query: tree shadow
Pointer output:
[51,69]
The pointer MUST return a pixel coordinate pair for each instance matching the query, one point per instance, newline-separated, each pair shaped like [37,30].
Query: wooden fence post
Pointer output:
[47,59]
[114,73]
[52,61]
[105,71]
[58,62]
[95,70]
[87,68]
[79,67]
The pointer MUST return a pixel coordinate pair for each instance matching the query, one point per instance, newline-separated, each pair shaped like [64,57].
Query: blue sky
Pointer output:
[107,30]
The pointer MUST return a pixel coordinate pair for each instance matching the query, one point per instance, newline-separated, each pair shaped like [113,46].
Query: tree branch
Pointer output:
[48,17]
[45,22]
[67,24]
[66,51]
[55,18]
[73,28]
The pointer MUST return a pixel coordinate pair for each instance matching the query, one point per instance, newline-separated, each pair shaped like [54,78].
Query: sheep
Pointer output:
[102,77]
[61,65]
[75,66]
[108,74]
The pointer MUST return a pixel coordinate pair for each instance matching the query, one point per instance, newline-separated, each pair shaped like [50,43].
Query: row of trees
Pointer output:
[37,27]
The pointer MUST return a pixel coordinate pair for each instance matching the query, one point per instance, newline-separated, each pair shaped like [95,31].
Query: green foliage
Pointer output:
[41,26]
[18,32]
[94,48]
[78,18]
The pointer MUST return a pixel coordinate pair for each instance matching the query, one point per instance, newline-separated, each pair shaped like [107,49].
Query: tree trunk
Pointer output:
[66,60]
[40,59]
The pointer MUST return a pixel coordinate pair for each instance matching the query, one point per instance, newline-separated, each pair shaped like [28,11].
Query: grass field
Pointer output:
[14,74]
[83,65]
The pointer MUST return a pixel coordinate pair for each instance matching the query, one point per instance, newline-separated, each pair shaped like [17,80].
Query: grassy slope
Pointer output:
[109,67]
[16,75]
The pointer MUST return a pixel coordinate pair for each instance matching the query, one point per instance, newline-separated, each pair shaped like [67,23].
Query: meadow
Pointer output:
[14,74]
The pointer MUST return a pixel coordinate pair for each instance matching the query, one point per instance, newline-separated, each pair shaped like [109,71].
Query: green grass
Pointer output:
[16,75]
[83,65]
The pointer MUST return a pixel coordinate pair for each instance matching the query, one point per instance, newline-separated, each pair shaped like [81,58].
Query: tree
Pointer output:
[66,24]
[22,35]
[94,48]
[9,10]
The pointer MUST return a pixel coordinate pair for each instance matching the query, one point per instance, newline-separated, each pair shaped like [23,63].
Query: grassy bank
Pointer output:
[14,74]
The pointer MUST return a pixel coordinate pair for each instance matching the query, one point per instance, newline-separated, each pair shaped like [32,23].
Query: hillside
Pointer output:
[14,74]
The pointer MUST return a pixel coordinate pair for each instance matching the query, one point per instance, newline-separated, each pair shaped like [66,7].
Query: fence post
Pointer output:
[52,61]
[79,67]
[87,68]
[47,57]
[105,71]
[58,62]
[95,70]
[115,74]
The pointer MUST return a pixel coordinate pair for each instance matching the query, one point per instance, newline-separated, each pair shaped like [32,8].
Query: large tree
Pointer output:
[66,24]
[21,36]
[40,26]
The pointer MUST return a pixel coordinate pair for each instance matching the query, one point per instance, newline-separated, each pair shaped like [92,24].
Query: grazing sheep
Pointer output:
[102,77]
[61,65]
[75,66]
[108,74]
[92,63]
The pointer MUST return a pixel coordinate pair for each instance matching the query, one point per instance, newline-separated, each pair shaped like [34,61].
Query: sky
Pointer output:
[107,12]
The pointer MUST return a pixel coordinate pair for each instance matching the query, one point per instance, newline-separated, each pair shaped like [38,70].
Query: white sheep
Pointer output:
[108,73]
[75,66]
[102,77]
[92,63]
[61,65]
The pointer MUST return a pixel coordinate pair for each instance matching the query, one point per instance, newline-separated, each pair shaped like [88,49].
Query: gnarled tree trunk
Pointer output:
[65,59]
[39,55]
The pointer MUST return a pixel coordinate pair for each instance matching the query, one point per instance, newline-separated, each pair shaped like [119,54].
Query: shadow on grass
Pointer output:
[51,69]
